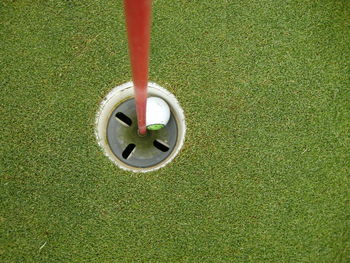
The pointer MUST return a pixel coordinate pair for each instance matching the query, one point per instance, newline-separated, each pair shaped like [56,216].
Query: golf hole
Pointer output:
[161,145]
[123,119]
[128,150]
[117,132]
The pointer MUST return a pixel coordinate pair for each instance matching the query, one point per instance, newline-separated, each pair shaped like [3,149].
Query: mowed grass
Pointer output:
[264,173]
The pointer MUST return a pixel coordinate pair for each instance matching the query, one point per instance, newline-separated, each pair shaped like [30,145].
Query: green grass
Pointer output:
[264,173]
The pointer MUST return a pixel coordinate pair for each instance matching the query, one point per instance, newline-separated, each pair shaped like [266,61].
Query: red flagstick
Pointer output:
[138,23]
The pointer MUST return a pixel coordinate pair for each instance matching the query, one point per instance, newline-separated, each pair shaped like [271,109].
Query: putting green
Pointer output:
[264,172]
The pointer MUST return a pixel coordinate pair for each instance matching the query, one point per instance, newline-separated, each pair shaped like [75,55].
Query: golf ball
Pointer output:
[157,113]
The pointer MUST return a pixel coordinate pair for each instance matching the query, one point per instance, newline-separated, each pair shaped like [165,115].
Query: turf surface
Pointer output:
[263,175]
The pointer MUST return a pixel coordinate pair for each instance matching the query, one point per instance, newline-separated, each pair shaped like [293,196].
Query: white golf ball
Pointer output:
[157,113]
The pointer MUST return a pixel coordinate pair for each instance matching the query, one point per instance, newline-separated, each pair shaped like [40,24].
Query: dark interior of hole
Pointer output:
[160,146]
[128,150]
[123,118]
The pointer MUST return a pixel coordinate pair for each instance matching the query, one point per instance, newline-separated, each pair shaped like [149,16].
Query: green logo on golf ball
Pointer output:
[155,127]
